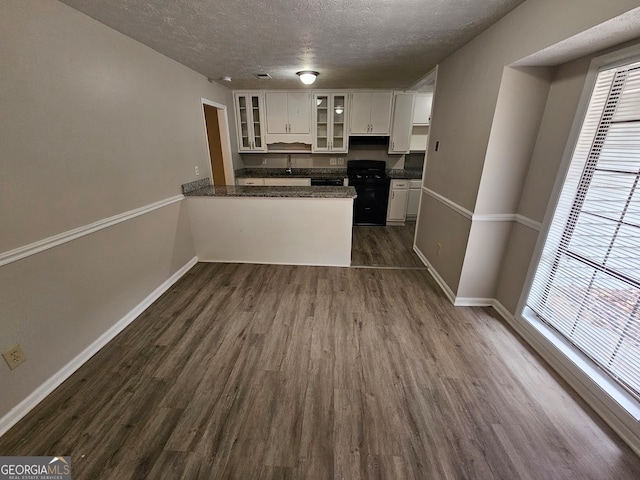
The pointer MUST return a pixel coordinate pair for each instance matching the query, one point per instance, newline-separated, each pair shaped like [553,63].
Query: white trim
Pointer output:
[473,302]
[40,393]
[528,222]
[484,217]
[449,203]
[436,276]
[569,366]
[494,217]
[64,237]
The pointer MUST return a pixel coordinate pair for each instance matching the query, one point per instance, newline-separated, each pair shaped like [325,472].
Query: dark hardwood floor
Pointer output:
[384,247]
[282,372]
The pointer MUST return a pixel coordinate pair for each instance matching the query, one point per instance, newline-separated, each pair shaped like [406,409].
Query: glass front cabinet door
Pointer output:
[249,108]
[330,122]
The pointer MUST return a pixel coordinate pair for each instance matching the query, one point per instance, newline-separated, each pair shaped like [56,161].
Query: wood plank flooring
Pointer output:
[283,372]
[384,246]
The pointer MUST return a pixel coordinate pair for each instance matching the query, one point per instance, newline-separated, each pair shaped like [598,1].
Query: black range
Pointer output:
[372,186]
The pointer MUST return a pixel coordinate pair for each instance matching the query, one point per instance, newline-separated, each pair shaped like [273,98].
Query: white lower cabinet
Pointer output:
[287,182]
[250,181]
[398,197]
[415,187]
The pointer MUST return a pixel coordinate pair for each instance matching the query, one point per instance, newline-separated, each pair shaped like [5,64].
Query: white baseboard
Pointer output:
[436,276]
[456,301]
[586,388]
[473,302]
[40,393]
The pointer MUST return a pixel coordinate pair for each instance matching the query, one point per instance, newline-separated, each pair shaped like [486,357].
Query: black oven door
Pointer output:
[370,206]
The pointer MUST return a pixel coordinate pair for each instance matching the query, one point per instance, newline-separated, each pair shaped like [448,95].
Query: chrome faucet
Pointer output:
[289,170]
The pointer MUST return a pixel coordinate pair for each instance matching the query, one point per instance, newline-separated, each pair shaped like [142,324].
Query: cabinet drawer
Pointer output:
[399,184]
[287,182]
[415,184]
[250,181]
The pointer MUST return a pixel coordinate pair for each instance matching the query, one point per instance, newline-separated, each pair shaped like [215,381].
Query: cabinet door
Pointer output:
[401,127]
[298,112]
[413,202]
[321,123]
[243,122]
[397,205]
[422,109]
[277,118]
[380,113]
[360,113]
[339,122]
[249,121]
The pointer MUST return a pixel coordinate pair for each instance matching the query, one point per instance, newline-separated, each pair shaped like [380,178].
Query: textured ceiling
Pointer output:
[352,43]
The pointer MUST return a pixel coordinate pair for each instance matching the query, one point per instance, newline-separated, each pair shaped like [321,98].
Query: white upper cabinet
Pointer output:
[329,122]
[288,117]
[422,109]
[370,113]
[249,109]
[298,108]
[402,122]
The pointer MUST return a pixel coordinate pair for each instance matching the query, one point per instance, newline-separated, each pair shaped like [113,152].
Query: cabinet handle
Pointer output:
[393,145]
[393,194]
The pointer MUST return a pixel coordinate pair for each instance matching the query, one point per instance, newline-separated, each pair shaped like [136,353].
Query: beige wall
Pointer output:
[464,119]
[558,118]
[452,234]
[93,124]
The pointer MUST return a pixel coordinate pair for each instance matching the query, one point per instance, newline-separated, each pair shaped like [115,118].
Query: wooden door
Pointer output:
[215,144]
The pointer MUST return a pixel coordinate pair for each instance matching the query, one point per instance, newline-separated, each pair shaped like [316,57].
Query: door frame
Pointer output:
[225,140]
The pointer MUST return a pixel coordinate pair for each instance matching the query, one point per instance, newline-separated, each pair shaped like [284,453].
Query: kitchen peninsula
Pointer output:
[275,225]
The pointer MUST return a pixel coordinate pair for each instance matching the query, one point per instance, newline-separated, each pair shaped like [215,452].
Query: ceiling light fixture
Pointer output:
[307,76]
[339,110]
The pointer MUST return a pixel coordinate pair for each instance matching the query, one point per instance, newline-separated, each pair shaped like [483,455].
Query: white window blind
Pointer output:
[587,284]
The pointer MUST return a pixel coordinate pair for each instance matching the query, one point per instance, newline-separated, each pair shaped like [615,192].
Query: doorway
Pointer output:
[217,131]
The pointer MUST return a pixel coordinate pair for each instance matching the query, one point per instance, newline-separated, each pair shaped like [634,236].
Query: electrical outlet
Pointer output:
[197,170]
[333,161]
[340,161]
[264,161]
[14,356]
[439,248]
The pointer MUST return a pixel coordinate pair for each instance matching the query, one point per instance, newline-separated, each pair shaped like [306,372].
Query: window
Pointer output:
[587,284]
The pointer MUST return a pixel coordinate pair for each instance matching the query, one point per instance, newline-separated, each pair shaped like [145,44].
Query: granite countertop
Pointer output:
[318,173]
[273,192]
[295,173]
[409,173]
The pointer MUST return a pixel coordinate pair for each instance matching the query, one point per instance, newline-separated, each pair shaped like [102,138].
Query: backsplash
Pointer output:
[315,160]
